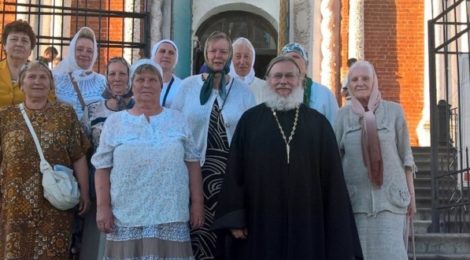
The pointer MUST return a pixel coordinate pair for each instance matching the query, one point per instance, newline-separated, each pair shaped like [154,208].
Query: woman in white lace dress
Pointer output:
[78,65]
[147,174]
[118,97]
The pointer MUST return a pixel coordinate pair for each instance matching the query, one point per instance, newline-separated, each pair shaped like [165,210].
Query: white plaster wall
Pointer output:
[204,9]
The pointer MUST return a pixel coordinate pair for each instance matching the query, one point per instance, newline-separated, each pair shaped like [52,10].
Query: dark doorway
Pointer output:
[236,24]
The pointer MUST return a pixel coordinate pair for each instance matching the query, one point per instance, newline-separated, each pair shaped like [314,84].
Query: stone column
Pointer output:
[283,21]
[356,29]
[304,30]
[330,26]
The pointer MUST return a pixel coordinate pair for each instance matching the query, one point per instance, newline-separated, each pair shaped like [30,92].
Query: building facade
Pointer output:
[390,34]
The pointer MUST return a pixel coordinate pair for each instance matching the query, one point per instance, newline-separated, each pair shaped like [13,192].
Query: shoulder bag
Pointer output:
[59,184]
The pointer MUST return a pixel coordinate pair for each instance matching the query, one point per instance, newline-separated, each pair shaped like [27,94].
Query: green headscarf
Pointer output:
[209,84]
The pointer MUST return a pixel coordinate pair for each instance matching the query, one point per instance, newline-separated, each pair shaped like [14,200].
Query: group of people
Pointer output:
[219,165]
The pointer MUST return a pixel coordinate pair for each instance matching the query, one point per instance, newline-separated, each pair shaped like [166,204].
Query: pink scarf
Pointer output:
[371,152]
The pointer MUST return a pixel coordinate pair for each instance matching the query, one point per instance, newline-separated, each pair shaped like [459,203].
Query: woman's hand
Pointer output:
[80,168]
[196,194]
[239,233]
[411,189]
[84,204]
[412,207]
[105,219]
[197,215]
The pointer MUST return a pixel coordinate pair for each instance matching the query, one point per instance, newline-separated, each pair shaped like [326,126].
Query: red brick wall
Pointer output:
[104,28]
[394,32]
[5,19]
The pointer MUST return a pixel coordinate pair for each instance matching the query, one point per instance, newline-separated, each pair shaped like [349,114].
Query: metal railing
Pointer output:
[122,28]
[449,67]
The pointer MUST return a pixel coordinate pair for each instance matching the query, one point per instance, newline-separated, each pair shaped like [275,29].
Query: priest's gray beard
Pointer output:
[278,102]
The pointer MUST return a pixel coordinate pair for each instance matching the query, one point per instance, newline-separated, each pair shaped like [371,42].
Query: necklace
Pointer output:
[287,141]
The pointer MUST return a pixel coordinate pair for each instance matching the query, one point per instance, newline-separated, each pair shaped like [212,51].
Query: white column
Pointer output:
[423,129]
[330,10]
[131,30]
[356,29]
[157,20]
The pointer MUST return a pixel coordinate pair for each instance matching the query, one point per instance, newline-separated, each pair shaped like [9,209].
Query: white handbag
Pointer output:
[59,184]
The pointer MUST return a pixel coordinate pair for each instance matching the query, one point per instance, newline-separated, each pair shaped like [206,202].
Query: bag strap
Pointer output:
[31,130]
[77,89]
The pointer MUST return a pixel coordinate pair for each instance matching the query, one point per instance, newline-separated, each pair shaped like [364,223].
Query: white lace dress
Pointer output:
[149,183]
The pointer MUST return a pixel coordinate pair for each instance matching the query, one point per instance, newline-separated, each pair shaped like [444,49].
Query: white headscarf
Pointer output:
[157,45]
[140,63]
[250,77]
[69,63]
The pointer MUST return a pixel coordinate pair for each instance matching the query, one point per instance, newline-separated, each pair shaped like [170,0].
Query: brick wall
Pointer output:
[5,19]
[104,28]
[394,32]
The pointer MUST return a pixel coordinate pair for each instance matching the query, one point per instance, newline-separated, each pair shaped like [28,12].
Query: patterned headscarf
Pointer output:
[371,152]
[157,45]
[295,47]
[108,93]
[250,77]
[69,63]
[299,49]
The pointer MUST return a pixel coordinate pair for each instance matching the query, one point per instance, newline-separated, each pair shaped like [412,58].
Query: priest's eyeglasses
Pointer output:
[289,76]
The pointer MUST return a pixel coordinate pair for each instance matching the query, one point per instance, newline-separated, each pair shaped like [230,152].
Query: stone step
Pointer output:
[423,181]
[422,226]
[424,201]
[440,256]
[421,190]
[439,243]
[423,213]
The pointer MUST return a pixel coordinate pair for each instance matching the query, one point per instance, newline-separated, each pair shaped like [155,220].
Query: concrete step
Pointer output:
[440,256]
[421,190]
[444,244]
[423,213]
[423,181]
[424,201]
[422,226]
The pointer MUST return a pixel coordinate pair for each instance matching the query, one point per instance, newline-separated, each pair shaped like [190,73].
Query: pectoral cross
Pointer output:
[287,141]
[288,152]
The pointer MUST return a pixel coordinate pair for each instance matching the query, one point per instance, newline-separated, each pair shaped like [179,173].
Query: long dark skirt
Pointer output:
[204,241]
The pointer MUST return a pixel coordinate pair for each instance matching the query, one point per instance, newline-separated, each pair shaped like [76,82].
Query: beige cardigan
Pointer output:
[393,196]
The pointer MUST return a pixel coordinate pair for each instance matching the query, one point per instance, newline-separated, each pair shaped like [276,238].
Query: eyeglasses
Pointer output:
[289,76]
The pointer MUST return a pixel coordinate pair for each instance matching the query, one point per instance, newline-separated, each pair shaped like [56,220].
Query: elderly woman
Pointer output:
[118,97]
[242,64]
[76,69]
[213,103]
[165,54]
[378,165]
[30,227]
[18,40]
[316,96]
[147,174]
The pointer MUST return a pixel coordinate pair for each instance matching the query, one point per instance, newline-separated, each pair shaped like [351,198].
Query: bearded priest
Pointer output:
[284,194]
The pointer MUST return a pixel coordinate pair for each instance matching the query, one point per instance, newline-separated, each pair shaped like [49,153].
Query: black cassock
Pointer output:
[299,210]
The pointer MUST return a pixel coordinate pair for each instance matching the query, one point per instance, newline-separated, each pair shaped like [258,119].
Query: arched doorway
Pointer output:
[236,24]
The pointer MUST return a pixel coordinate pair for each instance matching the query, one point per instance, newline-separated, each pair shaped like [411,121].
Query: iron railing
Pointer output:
[122,28]
[449,70]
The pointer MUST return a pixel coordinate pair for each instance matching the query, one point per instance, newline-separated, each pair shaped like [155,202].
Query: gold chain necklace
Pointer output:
[287,141]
